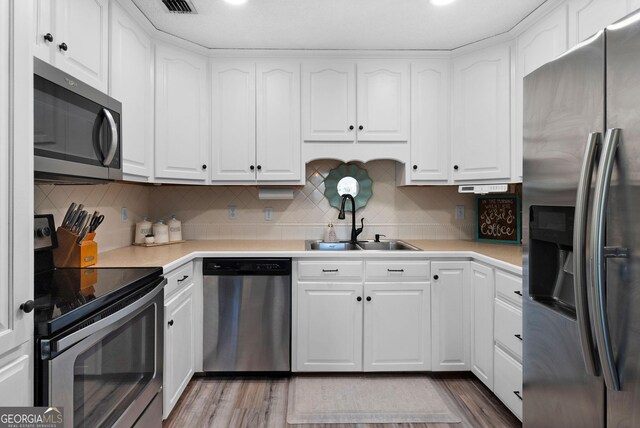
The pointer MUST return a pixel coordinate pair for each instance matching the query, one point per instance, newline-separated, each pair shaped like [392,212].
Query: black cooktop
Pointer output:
[67,295]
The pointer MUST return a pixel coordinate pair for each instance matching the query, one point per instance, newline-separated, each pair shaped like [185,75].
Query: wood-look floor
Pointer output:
[262,402]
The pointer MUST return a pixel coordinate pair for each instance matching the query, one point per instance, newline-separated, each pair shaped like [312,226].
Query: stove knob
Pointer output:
[28,306]
[43,232]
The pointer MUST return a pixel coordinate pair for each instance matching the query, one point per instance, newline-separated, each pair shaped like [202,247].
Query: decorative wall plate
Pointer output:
[348,178]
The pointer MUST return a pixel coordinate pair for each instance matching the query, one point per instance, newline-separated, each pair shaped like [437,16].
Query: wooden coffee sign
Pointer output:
[498,218]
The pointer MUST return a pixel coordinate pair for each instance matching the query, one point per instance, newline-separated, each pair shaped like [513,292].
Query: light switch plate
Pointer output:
[459,212]
[124,214]
[268,214]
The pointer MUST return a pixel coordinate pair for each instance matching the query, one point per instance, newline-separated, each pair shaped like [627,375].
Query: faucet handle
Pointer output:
[359,230]
[377,238]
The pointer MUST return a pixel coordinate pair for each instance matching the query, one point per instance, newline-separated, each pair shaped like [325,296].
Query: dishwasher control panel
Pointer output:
[246,266]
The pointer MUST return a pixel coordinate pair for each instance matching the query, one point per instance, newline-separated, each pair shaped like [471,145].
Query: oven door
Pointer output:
[107,373]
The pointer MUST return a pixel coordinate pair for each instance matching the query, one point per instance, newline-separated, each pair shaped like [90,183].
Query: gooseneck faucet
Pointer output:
[354,232]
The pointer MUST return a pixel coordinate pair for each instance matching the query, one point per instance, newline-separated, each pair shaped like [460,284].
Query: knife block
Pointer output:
[70,253]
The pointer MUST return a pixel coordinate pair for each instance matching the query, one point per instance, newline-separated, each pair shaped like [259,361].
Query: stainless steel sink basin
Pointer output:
[331,246]
[362,245]
[387,245]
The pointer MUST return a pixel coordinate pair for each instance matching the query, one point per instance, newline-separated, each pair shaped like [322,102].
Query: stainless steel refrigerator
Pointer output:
[581,194]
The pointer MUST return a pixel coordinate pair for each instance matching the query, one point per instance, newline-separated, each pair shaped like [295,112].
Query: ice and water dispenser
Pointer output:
[551,257]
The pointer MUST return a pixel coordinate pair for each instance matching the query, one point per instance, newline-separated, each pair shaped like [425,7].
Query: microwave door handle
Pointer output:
[601,327]
[113,145]
[579,248]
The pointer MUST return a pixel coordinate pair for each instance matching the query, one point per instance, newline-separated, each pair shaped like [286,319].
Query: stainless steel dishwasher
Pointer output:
[247,315]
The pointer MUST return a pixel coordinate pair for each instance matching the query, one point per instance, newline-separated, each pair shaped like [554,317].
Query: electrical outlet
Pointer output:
[232,212]
[268,214]
[124,214]
[459,212]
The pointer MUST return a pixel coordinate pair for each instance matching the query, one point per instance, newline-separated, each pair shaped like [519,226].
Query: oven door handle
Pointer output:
[70,340]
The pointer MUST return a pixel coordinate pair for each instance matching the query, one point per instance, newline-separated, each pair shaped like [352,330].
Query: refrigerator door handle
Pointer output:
[579,250]
[603,182]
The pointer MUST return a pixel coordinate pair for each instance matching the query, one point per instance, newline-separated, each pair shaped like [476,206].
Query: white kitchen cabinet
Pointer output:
[586,17]
[328,326]
[383,101]
[181,116]
[430,103]
[544,41]
[256,122]
[397,326]
[356,110]
[131,83]
[16,201]
[482,300]
[278,138]
[329,101]
[233,99]
[508,381]
[181,331]
[450,316]
[73,36]
[481,138]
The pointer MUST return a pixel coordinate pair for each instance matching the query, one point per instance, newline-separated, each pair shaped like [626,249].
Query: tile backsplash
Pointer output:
[425,212]
[416,212]
[109,199]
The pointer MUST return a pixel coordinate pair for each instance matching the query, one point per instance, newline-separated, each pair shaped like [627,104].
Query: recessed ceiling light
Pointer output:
[437,2]
[236,2]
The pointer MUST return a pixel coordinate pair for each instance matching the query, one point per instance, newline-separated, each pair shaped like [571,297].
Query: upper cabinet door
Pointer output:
[181,115]
[383,101]
[329,101]
[81,40]
[131,83]
[233,121]
[45,34]
[430,95]
[481,115]
[587,17]
[278,122]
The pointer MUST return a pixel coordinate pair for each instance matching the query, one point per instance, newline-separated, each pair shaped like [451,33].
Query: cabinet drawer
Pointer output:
[327,269]
[402,270]
[509,287]
[508,327]
[178,278]
[507,381]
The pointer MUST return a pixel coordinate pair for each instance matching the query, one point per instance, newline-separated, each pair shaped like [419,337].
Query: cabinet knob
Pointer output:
[27,306]
[436,277]
[351,127]
[259,167]
[251,167]
[204,167]
[455,167]
[63,46]
[368,298]
[48,37]
[415,167]
[359,299]
[170,323]
[361,127]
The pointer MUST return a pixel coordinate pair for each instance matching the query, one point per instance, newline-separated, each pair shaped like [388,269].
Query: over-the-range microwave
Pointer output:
[77,135]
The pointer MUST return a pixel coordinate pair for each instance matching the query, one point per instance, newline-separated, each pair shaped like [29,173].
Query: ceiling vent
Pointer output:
[179,6]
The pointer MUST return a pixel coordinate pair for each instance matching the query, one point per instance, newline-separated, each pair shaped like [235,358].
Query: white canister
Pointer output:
[160,232]
[175,229]
[143,228]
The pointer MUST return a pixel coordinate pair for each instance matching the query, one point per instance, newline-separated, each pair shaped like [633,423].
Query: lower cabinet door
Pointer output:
[179,345]
[329,327]
[16,377]
[482,292]
[397,326]
[450,316]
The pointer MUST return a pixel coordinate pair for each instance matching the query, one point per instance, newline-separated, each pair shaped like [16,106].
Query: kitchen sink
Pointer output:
[387,245]
[331,246]
[362,245]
